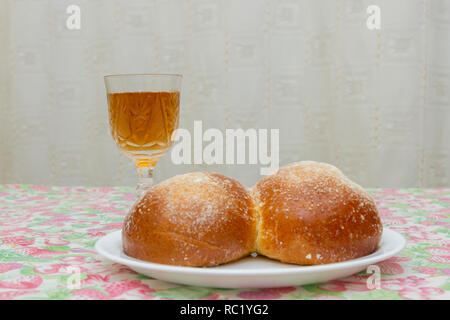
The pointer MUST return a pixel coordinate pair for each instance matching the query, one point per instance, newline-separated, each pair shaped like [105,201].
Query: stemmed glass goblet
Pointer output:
[143,115]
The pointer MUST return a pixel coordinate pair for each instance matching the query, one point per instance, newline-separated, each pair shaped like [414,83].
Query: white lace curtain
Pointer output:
[376,103]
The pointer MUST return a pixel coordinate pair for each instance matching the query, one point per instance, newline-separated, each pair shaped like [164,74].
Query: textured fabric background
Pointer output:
[374,103]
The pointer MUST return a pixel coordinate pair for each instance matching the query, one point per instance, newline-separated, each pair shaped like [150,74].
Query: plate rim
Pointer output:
[296,269]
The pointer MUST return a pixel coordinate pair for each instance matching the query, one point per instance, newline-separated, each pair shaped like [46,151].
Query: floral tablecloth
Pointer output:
[47,237]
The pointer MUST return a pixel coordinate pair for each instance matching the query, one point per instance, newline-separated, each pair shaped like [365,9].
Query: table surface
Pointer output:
[47,235]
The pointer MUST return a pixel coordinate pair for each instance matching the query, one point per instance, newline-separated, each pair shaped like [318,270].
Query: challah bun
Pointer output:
[310,213]
[306,213]
[195,219]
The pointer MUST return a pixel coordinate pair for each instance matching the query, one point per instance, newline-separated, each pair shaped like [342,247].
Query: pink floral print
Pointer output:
[48,232]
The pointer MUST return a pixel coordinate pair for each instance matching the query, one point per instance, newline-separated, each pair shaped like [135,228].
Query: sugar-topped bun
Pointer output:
[195,219]
[310,213]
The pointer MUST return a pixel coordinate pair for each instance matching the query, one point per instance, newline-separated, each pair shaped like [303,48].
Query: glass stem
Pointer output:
[145,171]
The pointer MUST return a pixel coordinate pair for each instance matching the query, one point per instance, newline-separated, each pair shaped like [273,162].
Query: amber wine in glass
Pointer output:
[143,115]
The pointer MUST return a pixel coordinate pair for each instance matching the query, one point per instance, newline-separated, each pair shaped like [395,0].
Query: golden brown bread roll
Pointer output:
[306,213]
[195,219]
[310,213]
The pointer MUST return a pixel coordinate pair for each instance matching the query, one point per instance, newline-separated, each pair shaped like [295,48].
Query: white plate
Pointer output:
[258,272]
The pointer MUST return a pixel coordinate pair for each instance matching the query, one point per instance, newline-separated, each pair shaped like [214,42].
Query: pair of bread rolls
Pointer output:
[306,213]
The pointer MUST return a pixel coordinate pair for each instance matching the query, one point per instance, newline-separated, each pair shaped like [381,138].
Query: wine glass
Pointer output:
[143,115]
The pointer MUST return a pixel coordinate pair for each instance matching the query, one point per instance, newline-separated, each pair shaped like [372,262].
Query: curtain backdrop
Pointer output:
[375,103]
